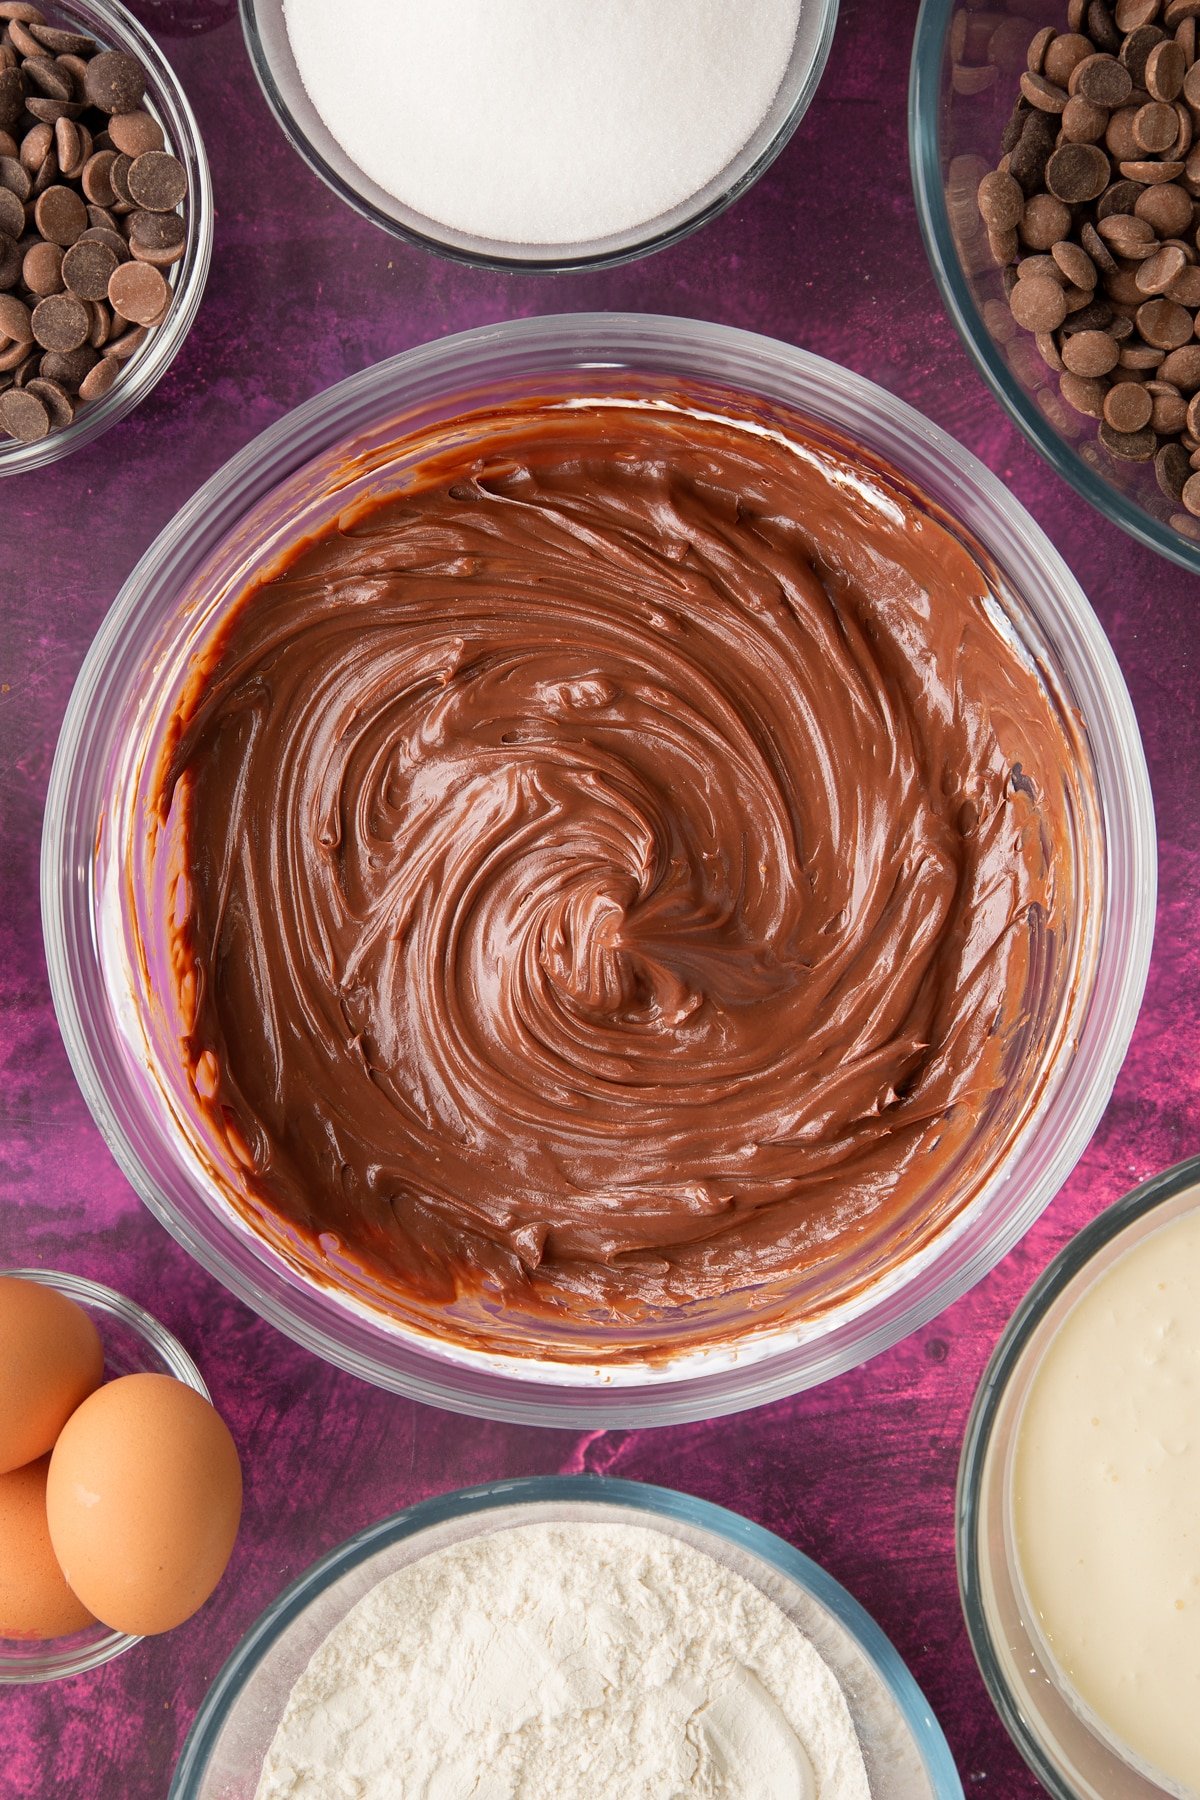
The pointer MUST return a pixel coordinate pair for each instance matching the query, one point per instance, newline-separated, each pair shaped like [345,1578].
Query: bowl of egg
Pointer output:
[120,1487]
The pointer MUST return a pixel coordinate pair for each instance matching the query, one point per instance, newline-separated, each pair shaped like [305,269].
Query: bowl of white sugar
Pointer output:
[539,134]
[566,1637]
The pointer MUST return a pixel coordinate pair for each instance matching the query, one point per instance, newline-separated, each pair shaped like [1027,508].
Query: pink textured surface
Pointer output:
[860,1474]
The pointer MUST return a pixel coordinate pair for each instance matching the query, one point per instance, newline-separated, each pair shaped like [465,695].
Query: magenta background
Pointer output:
[825,252]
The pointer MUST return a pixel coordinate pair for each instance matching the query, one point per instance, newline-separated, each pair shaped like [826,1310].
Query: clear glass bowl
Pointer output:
[954,130]
[302,472]
[906,1755]
[1070,1754]
[134,1344]
[271,53]
[116,29]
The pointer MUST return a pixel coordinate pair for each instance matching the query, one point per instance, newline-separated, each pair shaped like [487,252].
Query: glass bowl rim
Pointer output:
[1138,1204]
[553,264]
[917,446]
[149,366]
[58,1665]
[924,141]
[664,1503]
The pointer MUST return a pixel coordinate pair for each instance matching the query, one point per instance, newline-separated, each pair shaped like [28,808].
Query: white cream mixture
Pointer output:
[1106,1498]
[566,1662]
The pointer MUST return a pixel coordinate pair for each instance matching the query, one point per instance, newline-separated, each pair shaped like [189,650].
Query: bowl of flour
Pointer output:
[539,134]
[561,1638]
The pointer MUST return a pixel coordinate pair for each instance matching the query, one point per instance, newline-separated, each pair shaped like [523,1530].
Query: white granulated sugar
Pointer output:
[542,121]
[566,1662]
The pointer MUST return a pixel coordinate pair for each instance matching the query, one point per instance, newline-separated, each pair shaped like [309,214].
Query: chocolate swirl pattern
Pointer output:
[616,871]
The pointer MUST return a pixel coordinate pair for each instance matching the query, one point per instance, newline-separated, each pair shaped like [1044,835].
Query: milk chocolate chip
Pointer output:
[157,181]
[115,82]
[23,415]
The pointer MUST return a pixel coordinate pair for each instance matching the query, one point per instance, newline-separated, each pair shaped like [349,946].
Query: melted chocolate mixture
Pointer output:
[615,876]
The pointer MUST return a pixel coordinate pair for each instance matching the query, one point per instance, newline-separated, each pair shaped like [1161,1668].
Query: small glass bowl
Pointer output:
[271,53]
[134,1344]
[905,1752]
[954,130]
[116,29]
[1068,1751]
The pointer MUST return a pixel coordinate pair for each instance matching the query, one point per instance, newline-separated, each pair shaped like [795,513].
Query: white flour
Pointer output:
[542,121]
[565,1662]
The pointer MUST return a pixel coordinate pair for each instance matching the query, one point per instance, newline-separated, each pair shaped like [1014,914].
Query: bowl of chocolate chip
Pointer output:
[601,871]
[1058,189]
[105,223]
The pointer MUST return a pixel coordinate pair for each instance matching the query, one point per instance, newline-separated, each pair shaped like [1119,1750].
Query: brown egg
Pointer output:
[144,1499]
[35,1601]
[50,1360]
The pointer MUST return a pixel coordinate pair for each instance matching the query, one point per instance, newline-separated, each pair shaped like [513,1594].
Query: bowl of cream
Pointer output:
[1078,1550]
[600,870]
[570,1636]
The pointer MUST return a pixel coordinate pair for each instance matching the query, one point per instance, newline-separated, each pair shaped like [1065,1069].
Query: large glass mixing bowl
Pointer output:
[305,470]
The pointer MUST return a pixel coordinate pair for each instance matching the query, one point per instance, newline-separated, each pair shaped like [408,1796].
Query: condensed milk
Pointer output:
[1106,1500]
